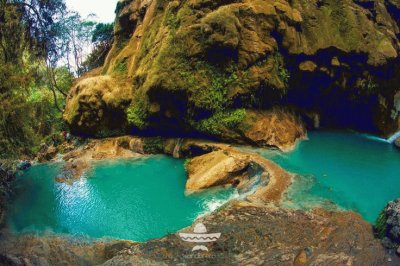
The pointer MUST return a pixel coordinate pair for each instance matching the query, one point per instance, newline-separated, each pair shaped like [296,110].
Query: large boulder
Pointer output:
[96,105]
[216,168]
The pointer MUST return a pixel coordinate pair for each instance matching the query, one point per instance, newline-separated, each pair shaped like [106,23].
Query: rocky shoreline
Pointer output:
[255,229]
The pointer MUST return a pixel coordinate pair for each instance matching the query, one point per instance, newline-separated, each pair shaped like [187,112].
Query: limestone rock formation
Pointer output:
[96,105]
[198,67]
[216,168]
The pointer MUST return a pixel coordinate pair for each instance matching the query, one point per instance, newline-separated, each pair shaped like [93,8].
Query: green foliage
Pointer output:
[172,21]
[102,38]
[121,67]
[215,97]
[339,15]
[283,73]
[368,85]
[186,163]
[103,32]
[220,121]
[153,145]
[137,114]
[380,226]
[109,133]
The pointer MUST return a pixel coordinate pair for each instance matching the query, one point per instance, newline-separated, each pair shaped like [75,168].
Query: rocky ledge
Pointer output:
[250,235]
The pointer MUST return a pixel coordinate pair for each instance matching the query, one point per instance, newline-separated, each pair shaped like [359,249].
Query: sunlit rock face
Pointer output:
[198,67]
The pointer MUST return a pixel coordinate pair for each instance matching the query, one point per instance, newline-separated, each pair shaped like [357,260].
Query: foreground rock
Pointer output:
[388,226]
[250,235]
[56,250]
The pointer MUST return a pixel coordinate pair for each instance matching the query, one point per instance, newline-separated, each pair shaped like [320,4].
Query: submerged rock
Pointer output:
[388,225]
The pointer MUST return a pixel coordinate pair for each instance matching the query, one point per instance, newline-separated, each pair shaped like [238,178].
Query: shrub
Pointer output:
[153,145]
[220,121]
[137,114]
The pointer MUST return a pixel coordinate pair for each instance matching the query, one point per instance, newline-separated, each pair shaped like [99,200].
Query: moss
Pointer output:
[121,67]
[186,163]
[137,114]
[72,111]
[221,121]
[211,93]
[380,226]
[172,21]
[153,145]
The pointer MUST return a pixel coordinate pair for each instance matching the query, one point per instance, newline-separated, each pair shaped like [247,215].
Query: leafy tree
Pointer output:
[102,39]
[30,81]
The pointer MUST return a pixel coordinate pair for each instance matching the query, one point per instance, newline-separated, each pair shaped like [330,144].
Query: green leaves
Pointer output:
[221,121]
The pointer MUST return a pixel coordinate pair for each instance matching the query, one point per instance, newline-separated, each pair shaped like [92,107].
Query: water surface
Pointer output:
[136,199]
[354,171]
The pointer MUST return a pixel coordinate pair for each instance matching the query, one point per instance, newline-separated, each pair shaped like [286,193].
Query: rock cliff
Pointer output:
[201,67]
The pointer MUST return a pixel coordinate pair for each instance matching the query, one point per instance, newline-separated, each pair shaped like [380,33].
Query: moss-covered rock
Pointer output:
[97,104]
[199,66]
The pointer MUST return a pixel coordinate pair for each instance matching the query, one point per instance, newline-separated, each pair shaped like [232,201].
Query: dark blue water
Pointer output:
[136,199]
[354,171]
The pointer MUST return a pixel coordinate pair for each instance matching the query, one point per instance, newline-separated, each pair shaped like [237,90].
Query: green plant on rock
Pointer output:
[186,163]
[283,73]
[121,67]
[221,121]
[172,21]
[380,226]
[368,85]
[215,97]
[153,145]
[137,114]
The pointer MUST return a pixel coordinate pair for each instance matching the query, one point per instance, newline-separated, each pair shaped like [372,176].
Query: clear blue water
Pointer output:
[354,171]
[136,199]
